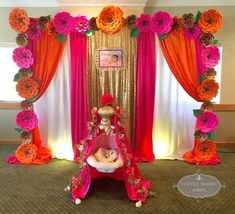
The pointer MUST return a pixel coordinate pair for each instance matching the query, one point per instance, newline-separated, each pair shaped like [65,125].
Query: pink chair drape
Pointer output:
[145,88]
[79,102]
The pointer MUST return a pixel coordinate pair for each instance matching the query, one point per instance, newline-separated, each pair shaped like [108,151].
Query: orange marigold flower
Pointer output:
[26,153]
[206,149]
[19,20]
[210,21]
[27,88]
[208,89]
[110,20]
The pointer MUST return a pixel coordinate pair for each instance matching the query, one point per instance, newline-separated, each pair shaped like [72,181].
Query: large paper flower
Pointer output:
[19,20]
[210,21]
[208,89]
[188,20]
[22,39]
[206,39]
[206,149]
[161,23]
[81,23]
[63,23]
[143,23]
[27,88]
[23,57]
[92,24]
[210,56]
[110,20]
[26,120]
[34,31]
[131,21]
[207,121]
[26,153]
[107,99]
[192,32]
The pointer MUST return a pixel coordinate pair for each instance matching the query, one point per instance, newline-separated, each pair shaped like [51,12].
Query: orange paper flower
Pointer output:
[208,89]
[19,20]
[26,153]
[210,21]
[110,20]
[206,149]
[27,88]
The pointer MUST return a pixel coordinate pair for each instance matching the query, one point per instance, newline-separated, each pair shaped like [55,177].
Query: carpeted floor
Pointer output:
[40,189]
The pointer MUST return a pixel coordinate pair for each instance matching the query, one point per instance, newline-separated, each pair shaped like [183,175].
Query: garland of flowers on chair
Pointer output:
[137,188]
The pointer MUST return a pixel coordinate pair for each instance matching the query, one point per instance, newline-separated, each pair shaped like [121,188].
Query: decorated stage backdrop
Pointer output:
[110,61]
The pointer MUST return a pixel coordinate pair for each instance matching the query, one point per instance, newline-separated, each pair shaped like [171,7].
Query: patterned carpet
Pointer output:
[40,189]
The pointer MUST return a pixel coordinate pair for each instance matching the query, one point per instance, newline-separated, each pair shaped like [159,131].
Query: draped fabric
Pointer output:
[145,85]
[173,126]
[79,103]
[53,111]
[47,52]
[180,54]
[118,82]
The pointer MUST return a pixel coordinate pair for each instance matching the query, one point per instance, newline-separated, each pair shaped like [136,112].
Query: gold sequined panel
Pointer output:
[120,82]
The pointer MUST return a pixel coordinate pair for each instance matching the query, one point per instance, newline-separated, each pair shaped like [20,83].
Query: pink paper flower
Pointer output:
[26,120]
[143,23]
[210,56]
[23,57]
[81,23]
[207,122]
[161,23]
[192,32]
[63,23]
[34,31]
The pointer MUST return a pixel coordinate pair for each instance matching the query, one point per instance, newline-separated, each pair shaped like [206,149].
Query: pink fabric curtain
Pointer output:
[145,88]
[79,102]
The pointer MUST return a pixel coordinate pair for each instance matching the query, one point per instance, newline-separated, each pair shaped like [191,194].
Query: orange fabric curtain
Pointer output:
[47,54]
[180,54]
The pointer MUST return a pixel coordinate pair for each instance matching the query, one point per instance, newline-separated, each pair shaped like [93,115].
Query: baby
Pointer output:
[106,155]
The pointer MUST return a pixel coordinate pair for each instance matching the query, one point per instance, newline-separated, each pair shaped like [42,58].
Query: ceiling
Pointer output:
[57,3]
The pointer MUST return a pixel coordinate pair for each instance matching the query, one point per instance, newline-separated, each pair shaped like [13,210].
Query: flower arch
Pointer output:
[198,29]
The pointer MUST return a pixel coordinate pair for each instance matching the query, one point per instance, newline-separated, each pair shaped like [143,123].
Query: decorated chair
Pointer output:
[106,153]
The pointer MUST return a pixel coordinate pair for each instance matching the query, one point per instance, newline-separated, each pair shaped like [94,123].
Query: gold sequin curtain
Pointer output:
[120,83]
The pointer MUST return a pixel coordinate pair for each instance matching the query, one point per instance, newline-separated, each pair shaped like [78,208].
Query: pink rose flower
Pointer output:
[63,23]
[192,32]
[26,120]
[161,23]
[34,31]
[207,122]
[81,23]
[210,56]
[143,23]
[22,57]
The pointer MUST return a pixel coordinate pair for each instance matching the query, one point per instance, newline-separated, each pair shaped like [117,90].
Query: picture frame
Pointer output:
[110,58]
